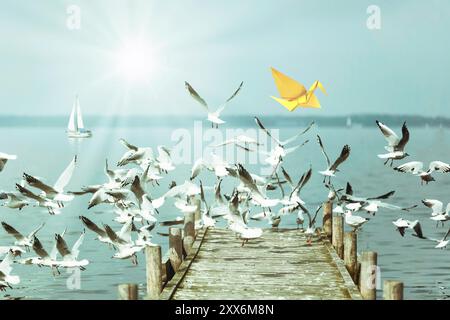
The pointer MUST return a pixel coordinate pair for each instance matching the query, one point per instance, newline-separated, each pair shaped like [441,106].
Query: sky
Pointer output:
[401,68]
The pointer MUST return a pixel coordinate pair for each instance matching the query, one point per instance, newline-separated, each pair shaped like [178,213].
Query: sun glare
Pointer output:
[134,61]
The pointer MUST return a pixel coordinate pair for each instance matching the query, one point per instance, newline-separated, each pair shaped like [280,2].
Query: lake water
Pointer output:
[45,152]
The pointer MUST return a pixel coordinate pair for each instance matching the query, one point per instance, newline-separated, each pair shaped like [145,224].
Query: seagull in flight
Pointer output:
[21,240]
[416,169]
[6,278]
[70,256]
[332,168]
[213,116]
[396,146]
[277,154]
[55,192]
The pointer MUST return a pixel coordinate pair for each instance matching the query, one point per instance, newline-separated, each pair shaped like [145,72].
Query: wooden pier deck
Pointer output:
[279,265]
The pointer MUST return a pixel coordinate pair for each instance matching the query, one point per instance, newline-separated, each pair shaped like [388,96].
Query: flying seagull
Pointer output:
[332,168]
[396,146]
[213,116]
[21,240]
[416,169]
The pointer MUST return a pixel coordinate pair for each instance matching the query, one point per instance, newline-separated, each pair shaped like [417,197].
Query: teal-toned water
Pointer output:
[45,152]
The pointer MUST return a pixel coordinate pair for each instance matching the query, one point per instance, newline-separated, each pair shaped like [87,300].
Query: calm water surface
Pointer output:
[44,152]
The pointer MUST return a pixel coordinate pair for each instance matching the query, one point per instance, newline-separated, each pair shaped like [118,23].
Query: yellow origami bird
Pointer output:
[294,94]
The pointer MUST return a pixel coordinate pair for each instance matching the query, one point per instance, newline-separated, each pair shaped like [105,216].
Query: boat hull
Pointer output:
[79,135]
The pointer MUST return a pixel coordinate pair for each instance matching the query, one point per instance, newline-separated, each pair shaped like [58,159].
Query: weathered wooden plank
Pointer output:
[279,265]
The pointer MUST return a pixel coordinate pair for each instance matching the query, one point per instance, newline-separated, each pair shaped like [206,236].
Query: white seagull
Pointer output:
[396,146]
[416,168]
[213,117]
[70,256]
[21,240]
[6,279]
[55,192]
[332,168]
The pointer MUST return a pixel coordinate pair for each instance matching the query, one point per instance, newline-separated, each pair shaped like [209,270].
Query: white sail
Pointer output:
[79,116]
[71,126]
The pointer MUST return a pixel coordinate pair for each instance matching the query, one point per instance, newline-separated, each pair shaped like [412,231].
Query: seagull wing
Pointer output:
[196,96]
[93,227]
[65,177]
[10,230]
[39,249]
[446,235]
[389,134]
[137,190]
[289,150]
[417,229]
[343,156]
[259,123]
[439,166]
[76,247]
[222,107]
[323,151]
[128,145]
[112,235]
[435,205]
[302,182]
[404,140]
[287,176]
[293,138]
[414,167]
[33,233]
[36,183]
[383,196]
[5,265]
[247,179]
[27,193]
[125,232]
[61,245]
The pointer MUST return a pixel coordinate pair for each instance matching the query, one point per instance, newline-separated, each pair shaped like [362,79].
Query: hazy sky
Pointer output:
[402,68]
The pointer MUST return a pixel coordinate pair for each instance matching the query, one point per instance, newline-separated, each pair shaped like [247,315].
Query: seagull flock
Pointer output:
[129,191]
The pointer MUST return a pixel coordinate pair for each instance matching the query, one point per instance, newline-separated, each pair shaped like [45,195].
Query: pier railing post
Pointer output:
[154,272]
[327,218]
[189,231]
[392,290]
[128,291]
[338,235]
[368,275]
[350,253]
[175,248]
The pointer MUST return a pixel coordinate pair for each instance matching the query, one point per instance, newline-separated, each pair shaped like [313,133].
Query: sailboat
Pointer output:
[75,128]
[349,122]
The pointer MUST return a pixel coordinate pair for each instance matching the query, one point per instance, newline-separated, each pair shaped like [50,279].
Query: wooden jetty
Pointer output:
[212,264]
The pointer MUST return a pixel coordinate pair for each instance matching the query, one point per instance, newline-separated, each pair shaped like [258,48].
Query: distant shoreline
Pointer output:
[359,120]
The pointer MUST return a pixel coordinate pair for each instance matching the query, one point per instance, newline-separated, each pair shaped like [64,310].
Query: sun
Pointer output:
[135,61]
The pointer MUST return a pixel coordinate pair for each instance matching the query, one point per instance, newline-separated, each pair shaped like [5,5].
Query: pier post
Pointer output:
[327,218]
[368,276]
[189,231]
[350,253]
[154,272]
[338,235]
[175,248]
[128,291]
[392,290]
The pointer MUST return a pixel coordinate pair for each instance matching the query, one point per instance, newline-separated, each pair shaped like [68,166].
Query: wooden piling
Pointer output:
[327,218]
[175,248]
[368,275]
[154,278]
[338,235]
[128,291]
[392,290]
[350,253]
[189,231]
